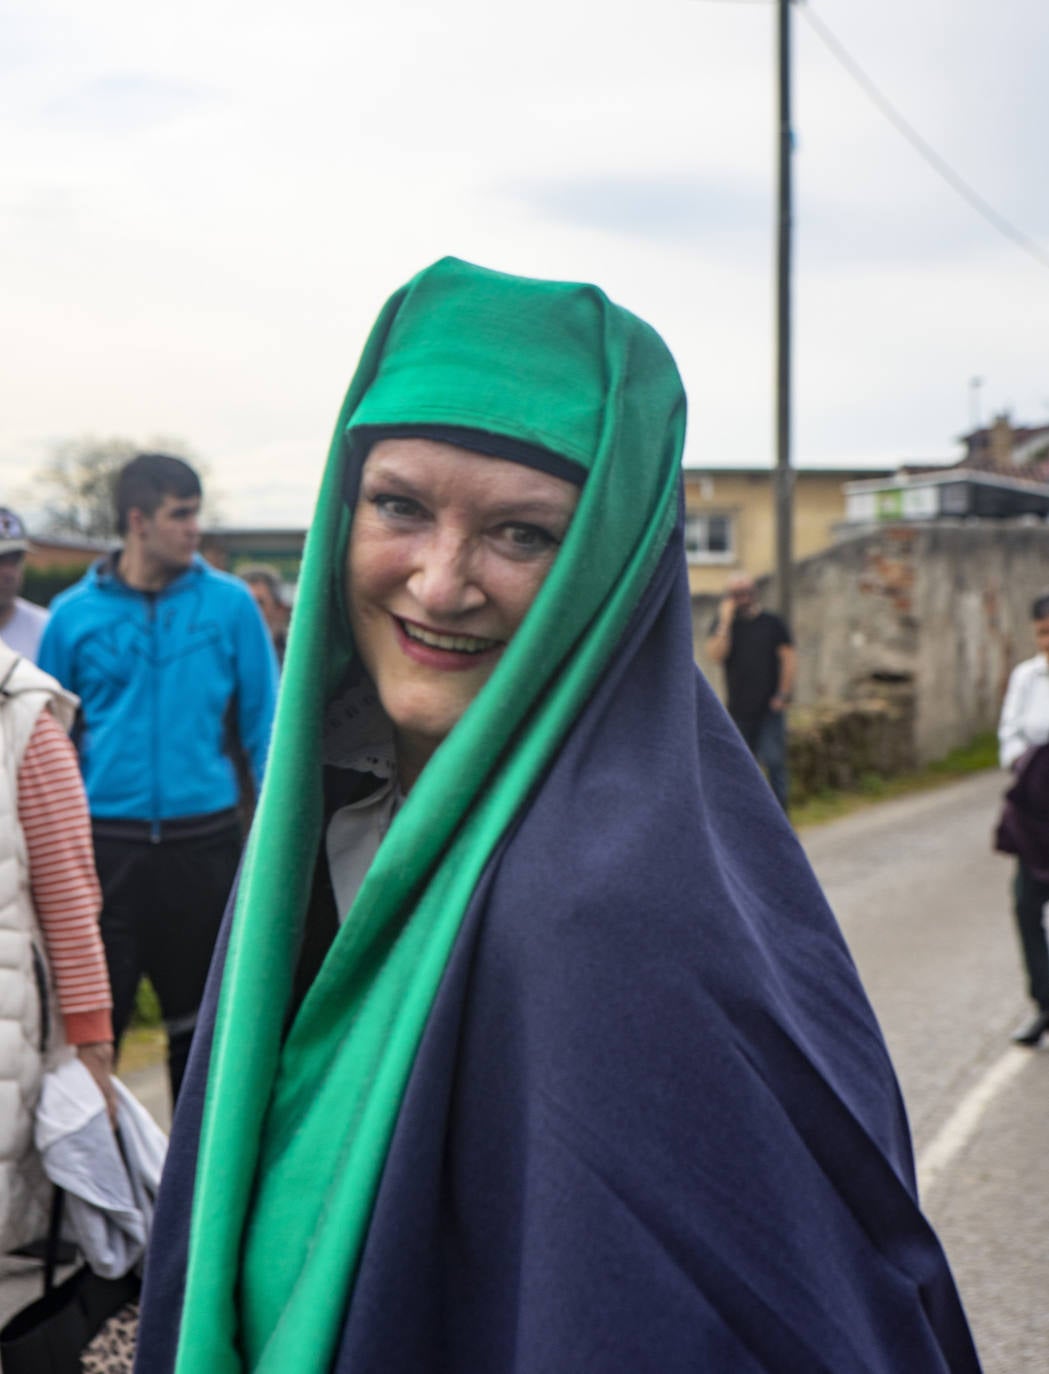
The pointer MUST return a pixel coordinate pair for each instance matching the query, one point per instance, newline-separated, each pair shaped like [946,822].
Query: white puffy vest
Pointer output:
[31,1038]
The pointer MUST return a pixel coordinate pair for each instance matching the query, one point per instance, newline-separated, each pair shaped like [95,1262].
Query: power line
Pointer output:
[925,149]
[920,145]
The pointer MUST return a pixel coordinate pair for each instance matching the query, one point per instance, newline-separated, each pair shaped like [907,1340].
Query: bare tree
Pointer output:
[77,482]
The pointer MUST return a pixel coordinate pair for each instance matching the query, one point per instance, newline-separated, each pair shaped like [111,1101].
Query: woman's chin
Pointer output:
[417,738]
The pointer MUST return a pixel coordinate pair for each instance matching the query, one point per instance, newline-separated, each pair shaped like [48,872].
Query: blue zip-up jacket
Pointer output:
[158,674]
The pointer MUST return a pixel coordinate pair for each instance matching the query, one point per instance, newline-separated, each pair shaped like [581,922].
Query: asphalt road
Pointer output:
[924,905]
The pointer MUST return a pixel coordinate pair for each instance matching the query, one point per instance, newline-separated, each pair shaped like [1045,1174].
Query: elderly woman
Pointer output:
[532,1045]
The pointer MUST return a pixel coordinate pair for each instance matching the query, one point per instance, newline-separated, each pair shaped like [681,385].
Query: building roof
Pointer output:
[1019,451]
[939,477]
[805,470]
[70,543]
[253,532]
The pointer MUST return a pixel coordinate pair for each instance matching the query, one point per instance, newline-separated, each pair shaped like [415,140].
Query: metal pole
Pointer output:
[974,403]
[784,472]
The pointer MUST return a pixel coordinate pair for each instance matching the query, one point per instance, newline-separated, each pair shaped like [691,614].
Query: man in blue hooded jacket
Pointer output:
[173,667]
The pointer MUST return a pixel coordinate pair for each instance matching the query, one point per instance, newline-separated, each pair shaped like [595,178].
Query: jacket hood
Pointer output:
[103,575]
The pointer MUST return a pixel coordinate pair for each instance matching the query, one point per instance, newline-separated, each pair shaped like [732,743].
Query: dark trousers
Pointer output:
[766,738]
[162,905]
[1029,898]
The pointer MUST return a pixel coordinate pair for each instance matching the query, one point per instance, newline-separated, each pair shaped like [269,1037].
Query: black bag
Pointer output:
[49,1335]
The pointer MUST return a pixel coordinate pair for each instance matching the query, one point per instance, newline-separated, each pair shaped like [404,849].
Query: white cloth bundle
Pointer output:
[110,1194]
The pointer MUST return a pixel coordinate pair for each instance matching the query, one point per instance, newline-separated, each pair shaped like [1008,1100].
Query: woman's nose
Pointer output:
[445,581]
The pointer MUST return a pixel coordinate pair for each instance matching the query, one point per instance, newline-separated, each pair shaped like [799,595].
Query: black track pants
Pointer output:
[1030,896]
[162,905]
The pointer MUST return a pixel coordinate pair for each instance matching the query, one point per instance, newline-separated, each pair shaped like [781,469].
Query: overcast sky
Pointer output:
[204,205]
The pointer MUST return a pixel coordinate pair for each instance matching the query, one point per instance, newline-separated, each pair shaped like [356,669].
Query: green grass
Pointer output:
[147,1006]
[978,755]
[145,1043]
[141,1048]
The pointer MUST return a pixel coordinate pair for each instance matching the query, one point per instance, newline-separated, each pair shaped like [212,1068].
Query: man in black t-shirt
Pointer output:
[756,648]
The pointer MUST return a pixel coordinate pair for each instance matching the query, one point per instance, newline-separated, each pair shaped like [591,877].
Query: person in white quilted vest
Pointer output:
[54,989]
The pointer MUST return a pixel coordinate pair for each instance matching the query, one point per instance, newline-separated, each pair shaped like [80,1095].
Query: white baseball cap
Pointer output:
[13,537]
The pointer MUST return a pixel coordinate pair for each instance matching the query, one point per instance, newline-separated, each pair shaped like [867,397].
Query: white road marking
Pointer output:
[960,1126]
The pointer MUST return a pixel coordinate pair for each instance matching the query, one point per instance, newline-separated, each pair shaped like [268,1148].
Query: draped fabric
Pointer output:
[652,1127]
[587,1080]
[1023,826]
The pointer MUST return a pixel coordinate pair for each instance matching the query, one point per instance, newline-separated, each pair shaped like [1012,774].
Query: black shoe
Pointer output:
[1032,1032]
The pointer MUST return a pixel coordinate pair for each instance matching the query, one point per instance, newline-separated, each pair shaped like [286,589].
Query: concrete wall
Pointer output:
[939,609]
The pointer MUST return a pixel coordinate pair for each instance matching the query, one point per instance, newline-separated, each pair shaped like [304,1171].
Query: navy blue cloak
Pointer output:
[652,1125]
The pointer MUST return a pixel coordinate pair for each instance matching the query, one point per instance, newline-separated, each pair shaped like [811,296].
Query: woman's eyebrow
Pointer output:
[526,507]
[531,508]
[377,472]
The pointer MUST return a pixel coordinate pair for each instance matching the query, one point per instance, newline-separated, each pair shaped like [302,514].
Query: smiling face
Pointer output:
[447,552]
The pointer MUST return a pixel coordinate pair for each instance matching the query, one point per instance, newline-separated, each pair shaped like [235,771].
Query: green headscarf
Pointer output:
[296,1126]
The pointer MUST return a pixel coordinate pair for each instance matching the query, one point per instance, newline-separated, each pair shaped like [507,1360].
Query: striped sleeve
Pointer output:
[53,812]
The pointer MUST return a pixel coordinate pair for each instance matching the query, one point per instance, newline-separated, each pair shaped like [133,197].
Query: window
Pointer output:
[708,538]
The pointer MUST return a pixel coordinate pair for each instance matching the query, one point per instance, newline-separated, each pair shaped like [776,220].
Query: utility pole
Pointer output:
[784,471]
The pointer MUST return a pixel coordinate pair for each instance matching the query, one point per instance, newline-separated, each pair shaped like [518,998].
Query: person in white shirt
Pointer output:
[21,622]
[1023,726]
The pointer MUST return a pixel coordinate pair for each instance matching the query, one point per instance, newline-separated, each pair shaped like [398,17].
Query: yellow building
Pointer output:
[730,518]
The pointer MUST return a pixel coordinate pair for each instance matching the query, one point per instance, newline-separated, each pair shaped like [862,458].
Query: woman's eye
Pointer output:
[397,507]
[529,539]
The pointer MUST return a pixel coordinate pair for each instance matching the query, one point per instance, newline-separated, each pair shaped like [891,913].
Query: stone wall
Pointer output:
[836,747]
[937,611]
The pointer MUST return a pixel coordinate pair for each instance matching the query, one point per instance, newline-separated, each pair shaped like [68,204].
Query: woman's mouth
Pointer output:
[449,643]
